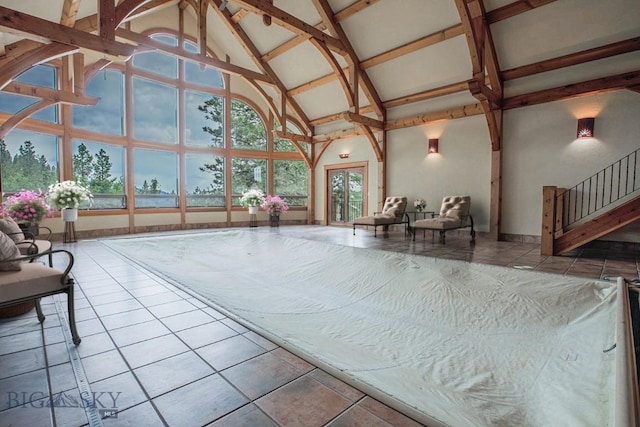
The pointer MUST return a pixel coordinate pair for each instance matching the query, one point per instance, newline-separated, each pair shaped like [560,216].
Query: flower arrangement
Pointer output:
[68,194]
[275,205]
[28,207]
[419,204]
[252,197]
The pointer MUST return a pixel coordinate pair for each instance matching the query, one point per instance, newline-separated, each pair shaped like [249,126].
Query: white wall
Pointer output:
[461,167]
[540,148]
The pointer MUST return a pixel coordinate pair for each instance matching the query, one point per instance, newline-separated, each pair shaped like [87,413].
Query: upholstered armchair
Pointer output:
[27,243]
[393,212]
[454,214]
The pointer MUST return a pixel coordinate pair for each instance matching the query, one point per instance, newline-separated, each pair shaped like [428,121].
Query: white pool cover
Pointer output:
[449,342]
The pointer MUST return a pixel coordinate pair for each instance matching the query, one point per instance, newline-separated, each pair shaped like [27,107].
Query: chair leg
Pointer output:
[442,234]
[354,229]
[39,311]
[72,314]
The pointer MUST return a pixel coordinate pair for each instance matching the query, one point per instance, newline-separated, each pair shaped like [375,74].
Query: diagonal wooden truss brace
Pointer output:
[484,63]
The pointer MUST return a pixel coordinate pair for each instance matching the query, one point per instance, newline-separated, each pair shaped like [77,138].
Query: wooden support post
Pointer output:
[548,220]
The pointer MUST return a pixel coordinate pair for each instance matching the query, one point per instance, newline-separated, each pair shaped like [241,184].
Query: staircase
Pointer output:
[602,203]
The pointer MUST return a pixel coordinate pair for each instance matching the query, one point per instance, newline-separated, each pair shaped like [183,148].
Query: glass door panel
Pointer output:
[346,195]
[355,194]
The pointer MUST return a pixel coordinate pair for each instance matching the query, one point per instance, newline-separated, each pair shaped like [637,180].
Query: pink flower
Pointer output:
[27,207]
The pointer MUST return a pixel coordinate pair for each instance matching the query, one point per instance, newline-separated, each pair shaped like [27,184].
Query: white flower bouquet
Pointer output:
[252,197]
[419,204]
[68,195]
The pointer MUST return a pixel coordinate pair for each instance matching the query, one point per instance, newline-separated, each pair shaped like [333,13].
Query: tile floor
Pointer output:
[159,356]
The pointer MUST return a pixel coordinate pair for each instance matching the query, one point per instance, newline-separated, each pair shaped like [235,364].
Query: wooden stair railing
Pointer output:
[556,241]
[602,203]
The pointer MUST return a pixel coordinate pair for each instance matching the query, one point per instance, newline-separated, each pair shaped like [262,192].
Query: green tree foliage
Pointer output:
[247,129]
[214,111]
[216,169]
[290,179]
[248,173]
[26,170]
[94,171]
[83,165]
[103,182]
[154,188]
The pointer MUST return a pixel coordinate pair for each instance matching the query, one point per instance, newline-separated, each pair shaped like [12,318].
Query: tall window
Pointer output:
[107,116]
[156,178]
[204,180]
[100,167]
[290,181]
[29,161]
[155,111]
[204,119]
[247,173]
[247,129]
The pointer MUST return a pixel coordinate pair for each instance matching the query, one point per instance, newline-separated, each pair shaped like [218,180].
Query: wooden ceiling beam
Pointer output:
[9,70]
[337,71]
[107,20]
[353,8]
[613,49]
[40,29]
[290,44]
[605,84]
[216,63]
[293,136]
[252,50]
[69,12]
[48,94]
[345,13]
[290,22]
[421,43]
[326,13]
[366,130]
[362,120]
[513,9]
[485,62]
[126,7]
[423,119]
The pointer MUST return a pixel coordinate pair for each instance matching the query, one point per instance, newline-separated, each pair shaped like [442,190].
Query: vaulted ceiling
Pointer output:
[341,68]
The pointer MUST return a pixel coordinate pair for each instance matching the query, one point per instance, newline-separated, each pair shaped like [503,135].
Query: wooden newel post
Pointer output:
[548,219]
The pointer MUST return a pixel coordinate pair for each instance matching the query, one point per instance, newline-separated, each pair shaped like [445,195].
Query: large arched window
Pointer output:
[169,116]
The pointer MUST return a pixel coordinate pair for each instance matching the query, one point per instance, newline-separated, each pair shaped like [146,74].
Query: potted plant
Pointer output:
[252,199]
[68,196]
[28,208]
[275,205]
[419,204]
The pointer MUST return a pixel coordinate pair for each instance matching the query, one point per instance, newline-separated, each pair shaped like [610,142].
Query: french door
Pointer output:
[346,190]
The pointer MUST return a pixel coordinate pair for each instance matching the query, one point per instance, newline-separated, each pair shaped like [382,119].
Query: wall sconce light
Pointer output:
[343,155]
[433,146]
[585,128]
